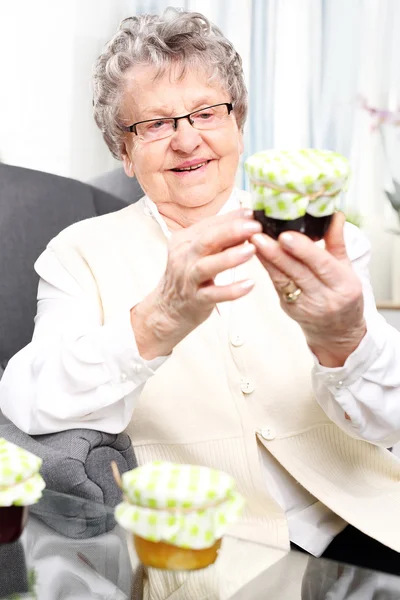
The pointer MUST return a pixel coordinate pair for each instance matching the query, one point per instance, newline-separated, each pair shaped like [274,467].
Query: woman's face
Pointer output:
[153,162]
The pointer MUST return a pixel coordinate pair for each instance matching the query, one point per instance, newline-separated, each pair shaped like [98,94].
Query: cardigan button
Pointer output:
[123,377]
[237,340]
[268,433]
[247,387]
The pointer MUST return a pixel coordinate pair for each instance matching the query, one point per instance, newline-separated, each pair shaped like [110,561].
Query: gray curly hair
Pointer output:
[187,38]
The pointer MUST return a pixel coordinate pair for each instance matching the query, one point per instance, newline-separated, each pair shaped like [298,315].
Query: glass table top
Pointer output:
[72,549]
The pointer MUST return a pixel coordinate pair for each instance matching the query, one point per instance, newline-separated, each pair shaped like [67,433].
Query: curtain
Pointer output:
[309,66]
[312,61]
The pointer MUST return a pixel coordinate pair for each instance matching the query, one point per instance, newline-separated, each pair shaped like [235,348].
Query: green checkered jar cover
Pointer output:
[20,481]
[287,184]
[184,505]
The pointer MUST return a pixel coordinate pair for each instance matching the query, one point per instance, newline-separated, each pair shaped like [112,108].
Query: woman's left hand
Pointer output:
[330,307]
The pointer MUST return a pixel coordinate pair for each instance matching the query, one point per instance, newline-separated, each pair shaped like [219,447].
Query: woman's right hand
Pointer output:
[187,294]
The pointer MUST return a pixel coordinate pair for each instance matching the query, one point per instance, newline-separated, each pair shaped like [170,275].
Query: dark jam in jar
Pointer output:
[12,522]
[274,227]
[314,227]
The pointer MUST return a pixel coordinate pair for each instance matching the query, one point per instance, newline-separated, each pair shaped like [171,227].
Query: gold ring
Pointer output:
[292,297]
[291,292]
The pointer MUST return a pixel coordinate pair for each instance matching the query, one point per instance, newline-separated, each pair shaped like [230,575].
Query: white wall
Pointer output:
[47,49]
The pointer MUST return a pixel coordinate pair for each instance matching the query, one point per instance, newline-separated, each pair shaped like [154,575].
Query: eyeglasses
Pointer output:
[210,117]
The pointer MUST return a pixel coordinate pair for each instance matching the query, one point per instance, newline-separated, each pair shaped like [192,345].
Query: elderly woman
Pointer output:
[169,318]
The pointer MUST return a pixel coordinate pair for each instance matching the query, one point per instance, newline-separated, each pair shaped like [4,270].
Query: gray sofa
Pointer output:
[34,207]
[117,183]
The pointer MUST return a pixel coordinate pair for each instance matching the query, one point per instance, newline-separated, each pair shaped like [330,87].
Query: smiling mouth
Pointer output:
[194,168]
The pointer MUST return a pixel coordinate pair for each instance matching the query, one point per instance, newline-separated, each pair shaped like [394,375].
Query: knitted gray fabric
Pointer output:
[78,463]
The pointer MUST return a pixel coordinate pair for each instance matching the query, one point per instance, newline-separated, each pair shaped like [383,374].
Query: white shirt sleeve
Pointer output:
[76,372]
[367,387]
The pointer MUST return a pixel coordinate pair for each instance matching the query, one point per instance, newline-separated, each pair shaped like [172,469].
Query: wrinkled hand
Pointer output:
[187,294]
[330,307]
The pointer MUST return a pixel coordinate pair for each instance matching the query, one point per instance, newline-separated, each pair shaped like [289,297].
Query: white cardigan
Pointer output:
[94,241]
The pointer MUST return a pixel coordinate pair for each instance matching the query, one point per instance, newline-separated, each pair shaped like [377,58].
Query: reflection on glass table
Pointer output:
[72,549]
[64,553]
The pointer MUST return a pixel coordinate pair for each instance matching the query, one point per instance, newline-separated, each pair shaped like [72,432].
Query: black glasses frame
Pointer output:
[132,128]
